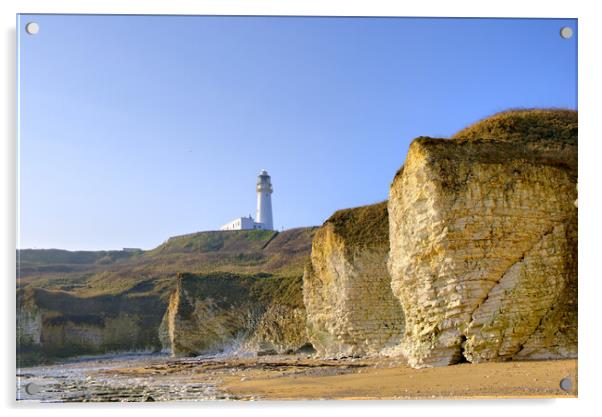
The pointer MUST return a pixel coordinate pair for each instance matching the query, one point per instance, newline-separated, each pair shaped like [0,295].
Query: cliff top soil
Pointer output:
[362,226]
[87,274]
[525,125]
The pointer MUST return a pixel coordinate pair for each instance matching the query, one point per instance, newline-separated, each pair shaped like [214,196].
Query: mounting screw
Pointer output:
[566,384]
[32,28]
[32,389]
[566,32]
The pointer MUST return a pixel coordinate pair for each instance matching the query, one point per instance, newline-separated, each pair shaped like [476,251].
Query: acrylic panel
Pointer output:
[265,208]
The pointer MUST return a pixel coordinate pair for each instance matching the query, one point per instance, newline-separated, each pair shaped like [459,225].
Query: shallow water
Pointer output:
[98,379]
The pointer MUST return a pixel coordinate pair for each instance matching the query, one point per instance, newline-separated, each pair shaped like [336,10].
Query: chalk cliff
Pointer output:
[351,310]
[219,312]
[483,236]
[56,324]
[74,303]
[473,258]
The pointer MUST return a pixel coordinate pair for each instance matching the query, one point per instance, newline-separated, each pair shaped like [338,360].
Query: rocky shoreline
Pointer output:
[143,378]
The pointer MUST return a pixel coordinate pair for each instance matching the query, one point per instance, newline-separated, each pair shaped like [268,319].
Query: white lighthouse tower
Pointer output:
[263,219]
[264,201]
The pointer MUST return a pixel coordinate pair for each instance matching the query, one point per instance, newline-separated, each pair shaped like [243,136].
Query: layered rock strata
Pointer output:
[351,309]
[483,258]
[56,324]
[74,303]
[220,312]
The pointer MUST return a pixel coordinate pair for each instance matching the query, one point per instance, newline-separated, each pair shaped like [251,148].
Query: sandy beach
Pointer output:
[390,379]
[160,378]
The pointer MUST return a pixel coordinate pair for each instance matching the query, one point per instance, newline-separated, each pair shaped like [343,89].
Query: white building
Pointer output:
[264,208]
[241,223]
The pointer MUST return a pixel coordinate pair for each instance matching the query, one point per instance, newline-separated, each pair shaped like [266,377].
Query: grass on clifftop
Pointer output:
[229,290]
[362,226]
[232,241]
[152,272]
[526,125]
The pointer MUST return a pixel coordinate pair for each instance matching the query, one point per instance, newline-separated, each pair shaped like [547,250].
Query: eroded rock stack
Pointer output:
[484,242]
[346,287]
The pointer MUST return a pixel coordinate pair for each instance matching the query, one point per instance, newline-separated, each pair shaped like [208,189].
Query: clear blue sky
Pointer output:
[137,128]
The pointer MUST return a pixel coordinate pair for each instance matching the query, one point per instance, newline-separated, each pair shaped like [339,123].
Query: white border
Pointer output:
[589,187]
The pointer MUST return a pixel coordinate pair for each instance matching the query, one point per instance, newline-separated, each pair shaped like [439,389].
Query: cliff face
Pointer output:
[54,324]
[73,303]
[473,257]
[484,250]
[346,287]
[280,329]
[218,312]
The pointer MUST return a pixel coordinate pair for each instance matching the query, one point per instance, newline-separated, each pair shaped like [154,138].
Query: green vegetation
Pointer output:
[526,125]
[125,321]
[82,289]
[48,261]
[209,310]
[59,256]
[230,241]
[541,136]
[106,305]
[362,226]
[287,291]
[31,355]
[152,272]
[230,290]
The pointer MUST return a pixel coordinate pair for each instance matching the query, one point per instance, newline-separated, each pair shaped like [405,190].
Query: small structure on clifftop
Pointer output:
[264,208]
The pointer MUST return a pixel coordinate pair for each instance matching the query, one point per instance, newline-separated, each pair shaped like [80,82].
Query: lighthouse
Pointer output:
[264,200]
[263,219]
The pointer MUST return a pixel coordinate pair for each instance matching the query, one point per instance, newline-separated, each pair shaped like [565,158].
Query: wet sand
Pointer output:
[159,378]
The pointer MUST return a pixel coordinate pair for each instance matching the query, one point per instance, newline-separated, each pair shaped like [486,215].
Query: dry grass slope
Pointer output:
[362,226]
[95,288]
[526,125]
